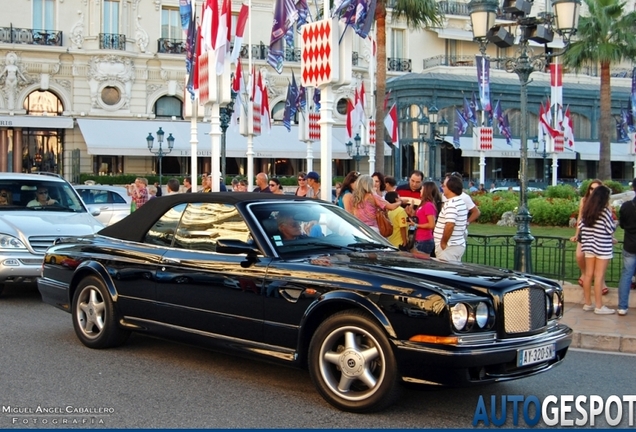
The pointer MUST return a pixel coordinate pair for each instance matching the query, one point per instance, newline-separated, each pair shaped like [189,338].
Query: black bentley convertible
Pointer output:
[302,282]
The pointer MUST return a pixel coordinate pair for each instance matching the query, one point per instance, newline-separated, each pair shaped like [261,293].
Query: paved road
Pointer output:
[151,383]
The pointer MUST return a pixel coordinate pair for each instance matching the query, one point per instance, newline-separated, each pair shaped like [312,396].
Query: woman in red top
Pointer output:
[426,216]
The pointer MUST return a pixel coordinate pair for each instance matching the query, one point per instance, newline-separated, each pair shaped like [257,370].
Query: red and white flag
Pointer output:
[349,122]
[210,24]
[257,97]
[266,120]
[240,31]
[238,87]
[223,36]
[545,119]
[391,123]
[361,117]
[568,130]
[556,84]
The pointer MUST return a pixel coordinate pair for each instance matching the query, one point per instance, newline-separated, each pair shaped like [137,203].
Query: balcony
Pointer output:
[112,41]
[15,35]
[171,46]
[453,61]
[260,52]
[399,65]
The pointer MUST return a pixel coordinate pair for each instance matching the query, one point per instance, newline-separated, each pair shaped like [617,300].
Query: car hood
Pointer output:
[406,270]
[44,223]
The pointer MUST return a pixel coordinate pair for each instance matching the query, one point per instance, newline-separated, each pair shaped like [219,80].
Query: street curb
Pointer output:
[603,342]
[574,294]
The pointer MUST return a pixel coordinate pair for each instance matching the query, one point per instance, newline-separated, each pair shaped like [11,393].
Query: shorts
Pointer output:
[597,256]
[426,246]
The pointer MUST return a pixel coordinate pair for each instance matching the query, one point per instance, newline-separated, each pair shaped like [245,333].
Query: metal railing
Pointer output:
[292,54]
[28,36]
[112,41]
[452,60]
[552,257]
[171,46]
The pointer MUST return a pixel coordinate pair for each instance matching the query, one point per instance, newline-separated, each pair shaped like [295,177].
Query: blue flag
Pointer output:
[483,79]
[469,113]
[461,125]
[317,99]
[290,103]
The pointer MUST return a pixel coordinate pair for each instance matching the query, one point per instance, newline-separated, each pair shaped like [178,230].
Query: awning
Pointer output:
[128,138]
[454,33]
[37,122]
[591,151]
[500,149]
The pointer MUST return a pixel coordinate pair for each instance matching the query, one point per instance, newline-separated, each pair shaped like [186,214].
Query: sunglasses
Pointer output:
[273,184]
[42,192]
[301,179]
[3,195]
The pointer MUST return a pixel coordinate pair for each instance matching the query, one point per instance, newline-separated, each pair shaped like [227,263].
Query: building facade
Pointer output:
[83,83]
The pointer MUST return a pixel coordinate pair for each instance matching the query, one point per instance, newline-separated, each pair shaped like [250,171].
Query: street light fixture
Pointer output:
[437,131]
[544,154]
[159,152]
[540,29]
[357,156]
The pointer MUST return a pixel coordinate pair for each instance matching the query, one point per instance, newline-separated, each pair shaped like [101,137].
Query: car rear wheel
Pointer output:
[94,316]
[351,363]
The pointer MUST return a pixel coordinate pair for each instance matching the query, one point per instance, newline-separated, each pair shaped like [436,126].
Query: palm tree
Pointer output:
[418,14]
[606,36]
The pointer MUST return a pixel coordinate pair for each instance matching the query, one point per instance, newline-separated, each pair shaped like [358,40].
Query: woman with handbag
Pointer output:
[367,204]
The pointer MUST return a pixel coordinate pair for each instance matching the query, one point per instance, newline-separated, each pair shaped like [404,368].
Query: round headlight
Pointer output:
[459,315]
[556,304]
[481,314]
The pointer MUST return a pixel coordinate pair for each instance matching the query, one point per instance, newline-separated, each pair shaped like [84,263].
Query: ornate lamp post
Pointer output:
[431,138]
[535,143]
[160,153]
[540,29]
[357,156]
[225,115]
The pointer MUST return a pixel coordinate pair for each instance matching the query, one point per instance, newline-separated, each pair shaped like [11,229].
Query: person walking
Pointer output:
[580,257]
[426,217]
[378,183]
[450,242]
[313,183]
[627,221]
[275,187]
[262,183]
[138,191]
[366,203]
[597,233]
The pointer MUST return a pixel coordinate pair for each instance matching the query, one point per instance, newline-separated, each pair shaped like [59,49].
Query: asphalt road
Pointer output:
[152,383]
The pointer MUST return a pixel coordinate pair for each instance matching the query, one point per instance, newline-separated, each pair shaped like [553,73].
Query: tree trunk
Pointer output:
[605,125]
[380,89]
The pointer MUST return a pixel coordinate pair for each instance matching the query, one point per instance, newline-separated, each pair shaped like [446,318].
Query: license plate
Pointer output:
[534,355]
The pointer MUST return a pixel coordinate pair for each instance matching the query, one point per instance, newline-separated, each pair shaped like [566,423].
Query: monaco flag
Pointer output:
[391,123]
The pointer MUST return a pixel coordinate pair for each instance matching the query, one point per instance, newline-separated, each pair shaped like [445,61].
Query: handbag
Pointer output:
[384,223]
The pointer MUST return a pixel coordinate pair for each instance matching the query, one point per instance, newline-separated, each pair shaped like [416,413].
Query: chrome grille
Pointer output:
[41,244]
[524,310]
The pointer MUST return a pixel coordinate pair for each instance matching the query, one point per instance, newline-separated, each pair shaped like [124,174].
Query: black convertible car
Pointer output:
[302,282]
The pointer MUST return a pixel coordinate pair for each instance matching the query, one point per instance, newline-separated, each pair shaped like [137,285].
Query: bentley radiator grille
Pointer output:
[41,243]
[524,310]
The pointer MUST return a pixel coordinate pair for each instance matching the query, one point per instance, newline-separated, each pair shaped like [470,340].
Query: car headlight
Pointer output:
[10,242]
[459,316]
[481,314]
[557,307]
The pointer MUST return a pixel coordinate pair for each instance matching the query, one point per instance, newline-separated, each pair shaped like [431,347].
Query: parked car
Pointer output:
[113,202]
[34,211]
[239,273]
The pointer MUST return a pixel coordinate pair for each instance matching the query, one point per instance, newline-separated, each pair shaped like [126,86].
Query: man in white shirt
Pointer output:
[450,242]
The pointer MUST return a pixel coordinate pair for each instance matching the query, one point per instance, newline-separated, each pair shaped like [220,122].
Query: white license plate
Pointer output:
[536,355]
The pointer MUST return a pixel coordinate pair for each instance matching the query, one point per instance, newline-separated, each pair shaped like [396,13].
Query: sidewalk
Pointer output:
[600,332]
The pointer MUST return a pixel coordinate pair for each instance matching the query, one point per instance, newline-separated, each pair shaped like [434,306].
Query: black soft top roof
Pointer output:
[135,226]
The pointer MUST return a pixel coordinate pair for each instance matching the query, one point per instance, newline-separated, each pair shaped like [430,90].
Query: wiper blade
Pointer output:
[367,245]
[325,245]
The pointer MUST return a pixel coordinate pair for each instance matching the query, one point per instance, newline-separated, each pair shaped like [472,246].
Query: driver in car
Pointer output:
[289,227]
[41,198]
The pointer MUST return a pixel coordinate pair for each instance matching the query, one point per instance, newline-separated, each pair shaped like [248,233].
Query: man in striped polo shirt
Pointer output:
[450,242]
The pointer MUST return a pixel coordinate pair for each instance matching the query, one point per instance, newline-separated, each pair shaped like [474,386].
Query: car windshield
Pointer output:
[38,195]
[299,227]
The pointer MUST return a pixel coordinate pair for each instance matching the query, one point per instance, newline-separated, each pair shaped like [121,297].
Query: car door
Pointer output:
[204,290]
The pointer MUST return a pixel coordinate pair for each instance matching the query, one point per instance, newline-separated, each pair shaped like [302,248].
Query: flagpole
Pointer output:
[326,126]
[194,113]
[306,124]
[372,60]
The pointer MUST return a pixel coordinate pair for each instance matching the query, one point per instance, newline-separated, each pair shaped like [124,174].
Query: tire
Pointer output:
[341,343]
[95,319]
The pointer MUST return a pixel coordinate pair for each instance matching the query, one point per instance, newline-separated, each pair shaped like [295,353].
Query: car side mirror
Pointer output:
[94,210]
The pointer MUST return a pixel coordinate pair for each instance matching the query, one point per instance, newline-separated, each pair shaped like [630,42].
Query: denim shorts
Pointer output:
[426,246]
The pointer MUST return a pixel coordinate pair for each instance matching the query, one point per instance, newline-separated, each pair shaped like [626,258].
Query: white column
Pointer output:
[194,143]
[555,165]
[326,141]
[482,167]
[215,139]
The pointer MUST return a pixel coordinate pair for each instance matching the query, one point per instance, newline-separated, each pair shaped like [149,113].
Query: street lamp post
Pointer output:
[429,133]
[539,29]
[544,154]
[357,156]
[225,115]
[160,153]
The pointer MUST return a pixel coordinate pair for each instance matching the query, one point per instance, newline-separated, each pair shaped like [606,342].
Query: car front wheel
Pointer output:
[351,363]
[94,316]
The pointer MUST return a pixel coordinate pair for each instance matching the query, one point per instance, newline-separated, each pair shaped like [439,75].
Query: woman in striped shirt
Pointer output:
[597,232]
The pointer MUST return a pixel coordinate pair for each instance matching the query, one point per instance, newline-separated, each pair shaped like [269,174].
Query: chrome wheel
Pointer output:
[90,312]
[351,363]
